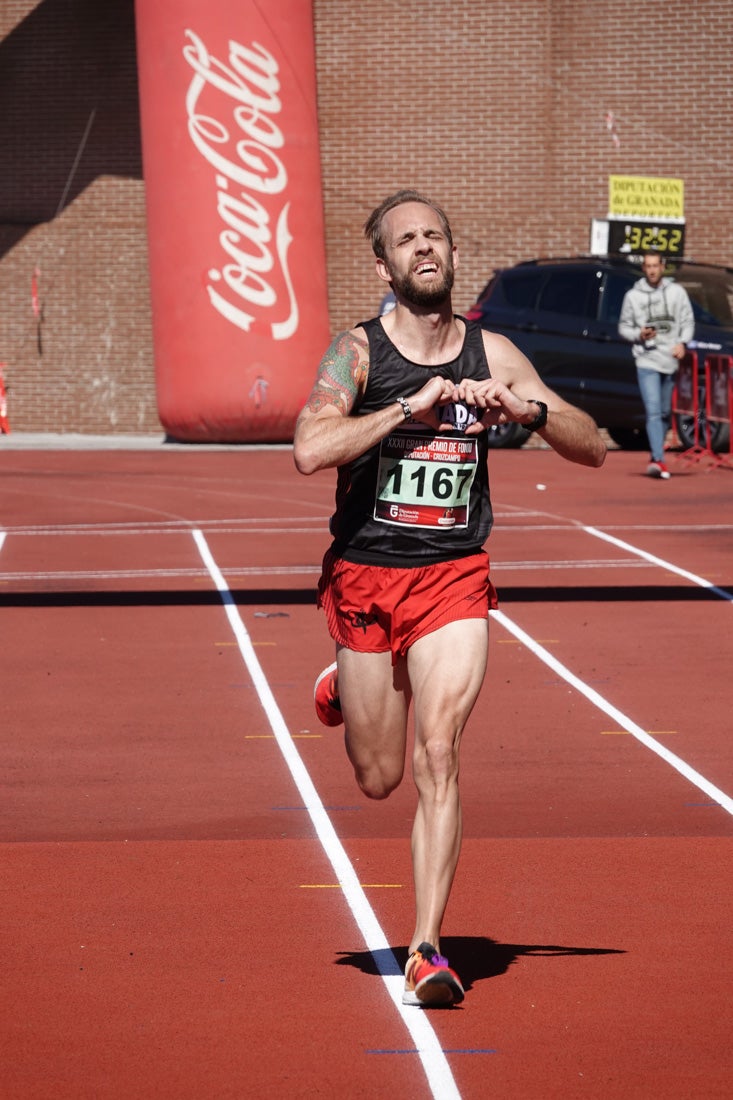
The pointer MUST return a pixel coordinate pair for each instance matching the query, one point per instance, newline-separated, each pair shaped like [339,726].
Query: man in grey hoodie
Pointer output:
[657,318]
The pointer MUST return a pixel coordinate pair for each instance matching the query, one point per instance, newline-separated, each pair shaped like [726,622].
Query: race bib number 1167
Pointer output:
[425,480]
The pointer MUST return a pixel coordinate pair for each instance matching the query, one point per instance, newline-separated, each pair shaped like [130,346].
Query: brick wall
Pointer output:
[499,110]
[72,209]
[496,109]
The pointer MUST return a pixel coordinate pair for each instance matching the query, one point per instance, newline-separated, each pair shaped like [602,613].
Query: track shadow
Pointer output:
[609,593]
[304,596]
[242,597]
[475,958]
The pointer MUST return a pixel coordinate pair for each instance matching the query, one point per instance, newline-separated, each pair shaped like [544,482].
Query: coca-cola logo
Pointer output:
[241,140]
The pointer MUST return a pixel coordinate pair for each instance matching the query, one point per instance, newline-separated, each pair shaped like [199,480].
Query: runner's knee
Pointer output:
[435,762]
[376,781]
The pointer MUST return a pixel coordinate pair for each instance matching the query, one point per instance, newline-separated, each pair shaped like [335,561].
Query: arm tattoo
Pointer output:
[341,375]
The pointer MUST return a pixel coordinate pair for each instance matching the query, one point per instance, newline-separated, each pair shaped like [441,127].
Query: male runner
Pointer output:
[400,407]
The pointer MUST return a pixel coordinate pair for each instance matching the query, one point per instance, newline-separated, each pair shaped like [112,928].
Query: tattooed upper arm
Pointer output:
[341,375]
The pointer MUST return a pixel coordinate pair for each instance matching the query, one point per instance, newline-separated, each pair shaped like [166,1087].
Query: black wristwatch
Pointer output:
[540,420]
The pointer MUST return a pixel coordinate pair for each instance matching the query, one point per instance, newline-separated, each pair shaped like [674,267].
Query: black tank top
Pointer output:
[419,496]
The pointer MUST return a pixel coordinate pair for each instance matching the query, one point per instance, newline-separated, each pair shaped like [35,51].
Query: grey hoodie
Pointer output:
[668,308]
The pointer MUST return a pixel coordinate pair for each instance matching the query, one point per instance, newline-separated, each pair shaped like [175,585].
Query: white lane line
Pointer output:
[317,524]
[435,1064]
[660,562]
[2,539]
[696,527]
[569,563]
[132,574]
[294,570]
[618,716]
[561,525]
[253,525]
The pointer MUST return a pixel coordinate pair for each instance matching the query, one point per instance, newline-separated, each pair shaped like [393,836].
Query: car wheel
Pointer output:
[685,426]
[629,439]
[507,435]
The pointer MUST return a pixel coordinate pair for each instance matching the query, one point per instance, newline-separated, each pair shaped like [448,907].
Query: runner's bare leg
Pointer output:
[447,669]
[375,699]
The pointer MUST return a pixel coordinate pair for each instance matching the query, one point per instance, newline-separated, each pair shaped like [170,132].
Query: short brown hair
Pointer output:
[373,224]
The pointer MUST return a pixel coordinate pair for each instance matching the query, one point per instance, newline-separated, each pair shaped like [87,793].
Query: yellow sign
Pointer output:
[646,197]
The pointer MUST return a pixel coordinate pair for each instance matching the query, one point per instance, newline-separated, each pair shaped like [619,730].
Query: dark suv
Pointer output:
[563,314]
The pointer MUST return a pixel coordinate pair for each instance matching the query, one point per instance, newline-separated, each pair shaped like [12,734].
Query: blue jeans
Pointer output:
[656,393]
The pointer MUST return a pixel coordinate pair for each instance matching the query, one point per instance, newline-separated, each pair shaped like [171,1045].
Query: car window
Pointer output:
[711,294]
[520,288]
[613,295]
[571,292]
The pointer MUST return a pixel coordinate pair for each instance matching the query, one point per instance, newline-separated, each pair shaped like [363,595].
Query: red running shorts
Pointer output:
[373,609]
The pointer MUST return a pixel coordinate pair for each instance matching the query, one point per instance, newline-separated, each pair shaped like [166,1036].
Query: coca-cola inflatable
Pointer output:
[235,215]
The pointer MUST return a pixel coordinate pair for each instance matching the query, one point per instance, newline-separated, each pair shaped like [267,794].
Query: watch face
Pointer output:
[541,419]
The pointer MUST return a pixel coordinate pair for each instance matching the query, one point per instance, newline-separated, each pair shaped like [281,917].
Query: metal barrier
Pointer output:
[718,404]
[686,400]
[719,400]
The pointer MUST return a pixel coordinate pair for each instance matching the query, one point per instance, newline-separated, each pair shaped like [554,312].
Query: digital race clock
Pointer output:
[637,237]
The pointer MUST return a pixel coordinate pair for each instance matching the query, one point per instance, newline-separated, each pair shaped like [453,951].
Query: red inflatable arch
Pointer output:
[235,214]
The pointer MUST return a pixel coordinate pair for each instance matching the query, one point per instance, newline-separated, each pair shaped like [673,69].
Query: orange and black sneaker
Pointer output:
[429,980]
[326,697]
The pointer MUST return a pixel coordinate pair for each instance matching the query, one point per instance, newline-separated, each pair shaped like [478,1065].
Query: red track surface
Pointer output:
[171,922]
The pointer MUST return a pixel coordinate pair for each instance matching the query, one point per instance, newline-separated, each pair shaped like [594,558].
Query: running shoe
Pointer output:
[326,697]
[658,469]
[429,981]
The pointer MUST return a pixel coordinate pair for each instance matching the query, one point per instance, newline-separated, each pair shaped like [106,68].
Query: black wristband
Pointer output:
[405,407]
[540,420]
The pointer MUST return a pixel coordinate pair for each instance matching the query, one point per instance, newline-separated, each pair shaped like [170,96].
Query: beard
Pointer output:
[413,291]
